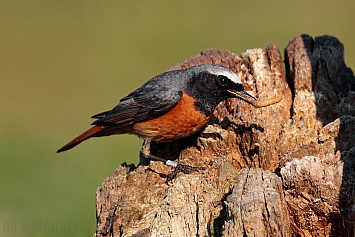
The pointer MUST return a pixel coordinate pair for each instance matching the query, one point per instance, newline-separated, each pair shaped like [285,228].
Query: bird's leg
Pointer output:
[178,167]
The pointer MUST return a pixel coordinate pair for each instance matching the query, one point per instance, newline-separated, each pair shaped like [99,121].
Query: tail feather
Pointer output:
[85,135]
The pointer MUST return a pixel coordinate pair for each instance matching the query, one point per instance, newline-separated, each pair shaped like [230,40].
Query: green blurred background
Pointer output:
[63,61]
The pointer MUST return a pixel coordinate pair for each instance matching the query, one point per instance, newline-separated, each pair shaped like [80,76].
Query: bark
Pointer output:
[282,170]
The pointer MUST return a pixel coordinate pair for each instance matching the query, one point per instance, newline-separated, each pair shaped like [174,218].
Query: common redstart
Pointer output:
[172,105]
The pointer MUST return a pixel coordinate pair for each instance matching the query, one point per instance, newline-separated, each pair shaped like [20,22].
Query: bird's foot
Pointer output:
[183,168]
[186,169]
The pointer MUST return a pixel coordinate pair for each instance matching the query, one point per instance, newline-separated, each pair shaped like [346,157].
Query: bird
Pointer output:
[172,105]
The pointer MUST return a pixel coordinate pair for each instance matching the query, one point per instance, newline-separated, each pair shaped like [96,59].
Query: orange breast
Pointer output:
[182,121]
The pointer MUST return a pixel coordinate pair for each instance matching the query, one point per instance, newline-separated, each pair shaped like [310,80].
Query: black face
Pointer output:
[211,89]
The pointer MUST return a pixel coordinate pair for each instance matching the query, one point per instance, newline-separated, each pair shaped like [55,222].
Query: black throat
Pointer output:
[208,92]
[208,96]
[206,106]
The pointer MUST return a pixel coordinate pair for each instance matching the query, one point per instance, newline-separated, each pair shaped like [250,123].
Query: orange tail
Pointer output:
[85,135]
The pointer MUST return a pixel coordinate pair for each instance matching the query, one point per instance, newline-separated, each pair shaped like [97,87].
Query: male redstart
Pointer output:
[170,106]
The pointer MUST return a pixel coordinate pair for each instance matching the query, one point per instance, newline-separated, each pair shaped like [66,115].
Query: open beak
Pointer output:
[252,100]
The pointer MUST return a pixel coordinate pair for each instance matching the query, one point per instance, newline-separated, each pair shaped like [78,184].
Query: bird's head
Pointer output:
[211,84]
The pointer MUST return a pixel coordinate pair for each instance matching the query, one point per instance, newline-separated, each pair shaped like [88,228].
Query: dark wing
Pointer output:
[100,115]
[142,104]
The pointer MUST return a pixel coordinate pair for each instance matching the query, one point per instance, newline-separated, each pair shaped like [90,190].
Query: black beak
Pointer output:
[251,100]
[244,96]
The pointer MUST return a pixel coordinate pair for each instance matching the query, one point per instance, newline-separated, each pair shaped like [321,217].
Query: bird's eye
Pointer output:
[223,80]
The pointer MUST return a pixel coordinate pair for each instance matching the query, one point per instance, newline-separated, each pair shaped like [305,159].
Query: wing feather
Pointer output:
[99,115]
[139,106]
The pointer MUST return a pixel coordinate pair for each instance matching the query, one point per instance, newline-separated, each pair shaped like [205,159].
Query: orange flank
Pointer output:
[182,121]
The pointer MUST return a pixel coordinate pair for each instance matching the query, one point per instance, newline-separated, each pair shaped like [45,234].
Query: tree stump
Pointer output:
[282,170]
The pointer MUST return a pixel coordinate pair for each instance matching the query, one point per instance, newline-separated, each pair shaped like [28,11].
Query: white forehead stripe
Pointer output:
[227,73]
[234,77]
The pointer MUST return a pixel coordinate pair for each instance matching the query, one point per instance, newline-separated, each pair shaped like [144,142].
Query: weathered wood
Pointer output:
[317,170]
[256,206]
[307,140]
